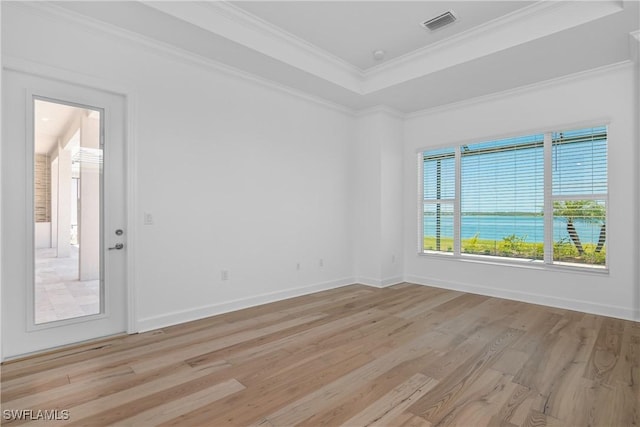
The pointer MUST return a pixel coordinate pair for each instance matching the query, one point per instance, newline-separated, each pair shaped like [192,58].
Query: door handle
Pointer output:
[118,246]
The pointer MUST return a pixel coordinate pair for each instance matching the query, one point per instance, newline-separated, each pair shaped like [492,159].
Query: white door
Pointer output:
[63,214]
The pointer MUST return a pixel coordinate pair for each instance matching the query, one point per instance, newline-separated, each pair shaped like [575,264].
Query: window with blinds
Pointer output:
[439,171]
[579,170]
[502,197]
[536,198]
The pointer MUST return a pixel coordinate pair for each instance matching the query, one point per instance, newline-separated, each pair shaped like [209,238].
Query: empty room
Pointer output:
[321,213]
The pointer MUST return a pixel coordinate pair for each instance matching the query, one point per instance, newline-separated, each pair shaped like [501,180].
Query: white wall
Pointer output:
[238,176]
[597,97]
[377,195]
[366,197]
[42,235]
[391,195]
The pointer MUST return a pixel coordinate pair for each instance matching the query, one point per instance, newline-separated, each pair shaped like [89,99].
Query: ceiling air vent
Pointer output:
[439,21]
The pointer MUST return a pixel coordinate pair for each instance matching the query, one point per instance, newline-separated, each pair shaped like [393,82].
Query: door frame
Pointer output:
[16,64]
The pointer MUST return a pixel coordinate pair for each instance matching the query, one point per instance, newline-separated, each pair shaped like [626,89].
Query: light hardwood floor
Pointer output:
[407,355]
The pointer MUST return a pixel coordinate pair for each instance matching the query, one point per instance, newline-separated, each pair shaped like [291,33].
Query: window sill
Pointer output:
[517,263]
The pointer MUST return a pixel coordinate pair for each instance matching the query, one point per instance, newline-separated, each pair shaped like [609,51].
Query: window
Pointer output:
[439,195]
[579,165]
[537,198]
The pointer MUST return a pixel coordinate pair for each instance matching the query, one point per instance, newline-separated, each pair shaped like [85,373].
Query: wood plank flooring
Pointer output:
[407,355]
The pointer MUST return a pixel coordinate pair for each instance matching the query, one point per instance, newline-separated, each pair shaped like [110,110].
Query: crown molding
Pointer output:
[270,30]
[243,28]
[521,90]
[93,26]
[521,26]
[381,109]
[492,36]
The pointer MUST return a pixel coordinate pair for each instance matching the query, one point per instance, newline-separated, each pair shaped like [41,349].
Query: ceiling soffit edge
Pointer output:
[95,26]
[381,108]
[245,29]
[509,19]
[521,89]
[271,30]
[155,45]
[521,26]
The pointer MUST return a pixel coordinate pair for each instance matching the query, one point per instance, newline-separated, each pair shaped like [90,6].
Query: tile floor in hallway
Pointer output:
[59,294]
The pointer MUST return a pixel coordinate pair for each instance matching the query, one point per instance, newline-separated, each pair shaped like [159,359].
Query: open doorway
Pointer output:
[67,201]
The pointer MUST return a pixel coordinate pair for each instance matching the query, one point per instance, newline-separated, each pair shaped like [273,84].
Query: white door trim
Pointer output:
[68,76]
[1,197]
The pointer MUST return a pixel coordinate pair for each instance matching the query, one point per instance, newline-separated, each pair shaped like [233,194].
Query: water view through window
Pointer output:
[501,208]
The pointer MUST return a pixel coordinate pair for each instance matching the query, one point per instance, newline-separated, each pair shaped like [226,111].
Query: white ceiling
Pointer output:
[324,49]
[352,30]
[51,121]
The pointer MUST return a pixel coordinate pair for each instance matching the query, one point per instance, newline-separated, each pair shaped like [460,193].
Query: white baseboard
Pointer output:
[177,317]
[182,316]
[379,283]
[551,301]
[390,281]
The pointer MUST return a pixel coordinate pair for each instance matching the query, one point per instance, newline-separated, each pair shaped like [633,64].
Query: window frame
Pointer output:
[547,263]
[454,202]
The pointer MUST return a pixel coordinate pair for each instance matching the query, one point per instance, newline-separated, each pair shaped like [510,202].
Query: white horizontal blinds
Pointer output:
[489,199]
[579,162]
[502,197]
[579,193]
[439,171]
[438,227]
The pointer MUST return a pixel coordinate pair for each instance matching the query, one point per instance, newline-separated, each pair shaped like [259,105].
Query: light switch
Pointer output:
[148,218]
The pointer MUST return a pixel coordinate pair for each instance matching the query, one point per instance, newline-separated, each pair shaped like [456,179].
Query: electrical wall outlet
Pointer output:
[224,274]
